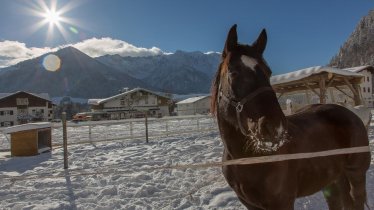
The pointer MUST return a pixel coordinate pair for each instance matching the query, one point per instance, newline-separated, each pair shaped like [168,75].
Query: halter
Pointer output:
[239,105]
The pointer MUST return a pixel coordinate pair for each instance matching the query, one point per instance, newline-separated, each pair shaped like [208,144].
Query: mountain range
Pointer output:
[78,76]
[85,77]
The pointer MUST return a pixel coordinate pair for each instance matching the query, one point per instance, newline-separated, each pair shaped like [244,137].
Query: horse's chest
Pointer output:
[255,183]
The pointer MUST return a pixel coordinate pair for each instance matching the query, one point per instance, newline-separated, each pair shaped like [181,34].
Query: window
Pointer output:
[368,90]
[11,112]
[364,89]
[1,113]
[22,101]
[122,102]
[146,99]
[368,79]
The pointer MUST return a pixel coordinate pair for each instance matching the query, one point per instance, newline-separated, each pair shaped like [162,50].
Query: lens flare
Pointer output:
[52,62]
[74,30]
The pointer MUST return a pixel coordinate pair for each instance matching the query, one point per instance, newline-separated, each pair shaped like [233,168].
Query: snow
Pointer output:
[303,73]
[192,99]
[130,174]
[29,126]
[357,69]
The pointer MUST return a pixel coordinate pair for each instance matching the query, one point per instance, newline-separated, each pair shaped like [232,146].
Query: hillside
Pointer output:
[82,76]
[180,72]
[358,50]
[79,76]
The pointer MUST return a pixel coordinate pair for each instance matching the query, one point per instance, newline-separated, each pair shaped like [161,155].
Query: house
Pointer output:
[130,104]
[367,84]
[23,107]
[194,105]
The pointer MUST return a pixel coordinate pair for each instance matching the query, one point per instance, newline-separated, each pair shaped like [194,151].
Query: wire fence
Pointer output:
[118,130]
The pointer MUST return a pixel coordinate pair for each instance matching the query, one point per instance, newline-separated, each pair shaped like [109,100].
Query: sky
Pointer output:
[300,33]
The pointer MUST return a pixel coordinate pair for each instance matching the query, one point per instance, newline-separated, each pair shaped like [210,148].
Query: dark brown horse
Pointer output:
[252,123]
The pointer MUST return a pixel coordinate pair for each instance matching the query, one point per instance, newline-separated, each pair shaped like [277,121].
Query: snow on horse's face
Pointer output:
[244,73]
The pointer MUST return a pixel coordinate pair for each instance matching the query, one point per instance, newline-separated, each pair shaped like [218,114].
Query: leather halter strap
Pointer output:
[239,105]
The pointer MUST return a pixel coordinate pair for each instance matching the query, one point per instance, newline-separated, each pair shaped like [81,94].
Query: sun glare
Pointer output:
[52,17]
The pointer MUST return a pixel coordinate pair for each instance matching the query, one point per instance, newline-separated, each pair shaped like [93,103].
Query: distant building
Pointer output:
[130,104]
[194,105]
[23,107]
[367,84]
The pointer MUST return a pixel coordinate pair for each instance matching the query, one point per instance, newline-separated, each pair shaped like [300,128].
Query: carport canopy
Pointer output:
[318,79]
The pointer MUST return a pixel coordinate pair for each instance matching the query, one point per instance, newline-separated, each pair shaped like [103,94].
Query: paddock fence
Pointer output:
[141,129]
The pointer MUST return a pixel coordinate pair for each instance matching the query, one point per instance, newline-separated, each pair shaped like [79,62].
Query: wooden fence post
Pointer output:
[89,133]
[167,127]
[146,127]
[65,141]
[131,125]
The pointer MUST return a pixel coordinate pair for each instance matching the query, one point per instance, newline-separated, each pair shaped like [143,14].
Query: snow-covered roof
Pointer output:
[103,100]
[39,95]
[28,126]
[358,68]
[192,99]
[303,73]
[3,95]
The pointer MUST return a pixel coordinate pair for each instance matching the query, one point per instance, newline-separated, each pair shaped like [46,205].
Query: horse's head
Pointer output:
[242,95]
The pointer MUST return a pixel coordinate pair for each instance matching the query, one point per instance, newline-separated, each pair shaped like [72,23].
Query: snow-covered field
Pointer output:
[129,174]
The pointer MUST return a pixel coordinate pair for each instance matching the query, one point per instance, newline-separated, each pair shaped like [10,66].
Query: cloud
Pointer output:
[13,52]
[107,46]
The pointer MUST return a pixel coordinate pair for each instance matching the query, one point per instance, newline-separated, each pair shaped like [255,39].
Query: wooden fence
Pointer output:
[129,129]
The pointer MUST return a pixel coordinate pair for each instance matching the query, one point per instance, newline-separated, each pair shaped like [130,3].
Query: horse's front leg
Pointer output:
[284,205]
[249,206]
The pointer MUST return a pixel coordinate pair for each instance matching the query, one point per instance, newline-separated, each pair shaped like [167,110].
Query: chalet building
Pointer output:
[23,107]
[130,104]
[194,105]
[367,84]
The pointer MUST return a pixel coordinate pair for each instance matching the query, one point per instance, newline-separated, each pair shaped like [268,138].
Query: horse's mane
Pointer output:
[214,91]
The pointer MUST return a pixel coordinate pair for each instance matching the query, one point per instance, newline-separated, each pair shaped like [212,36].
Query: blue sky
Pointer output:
[300,33]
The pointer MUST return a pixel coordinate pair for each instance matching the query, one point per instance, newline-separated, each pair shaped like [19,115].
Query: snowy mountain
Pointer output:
[180,72]
[358,50]
[79,76]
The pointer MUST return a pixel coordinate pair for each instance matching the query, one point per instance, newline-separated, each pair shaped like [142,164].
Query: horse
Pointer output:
[251,123]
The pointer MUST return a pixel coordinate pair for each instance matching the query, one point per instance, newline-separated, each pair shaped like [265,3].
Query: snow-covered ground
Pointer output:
[129,174]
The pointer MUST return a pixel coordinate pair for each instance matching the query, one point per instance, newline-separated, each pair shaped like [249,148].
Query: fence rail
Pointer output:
[129,129]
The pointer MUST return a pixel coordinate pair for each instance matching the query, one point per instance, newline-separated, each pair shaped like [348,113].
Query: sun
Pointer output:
[52,17]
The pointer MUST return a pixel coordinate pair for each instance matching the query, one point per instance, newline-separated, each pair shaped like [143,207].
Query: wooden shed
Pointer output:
[30,139]
[317,80]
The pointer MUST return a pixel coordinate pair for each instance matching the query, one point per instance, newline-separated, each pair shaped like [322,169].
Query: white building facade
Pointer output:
[194,105]
[131,104]
[367,83]
[22,107]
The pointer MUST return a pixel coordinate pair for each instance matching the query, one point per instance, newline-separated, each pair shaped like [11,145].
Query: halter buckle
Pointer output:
[239,107]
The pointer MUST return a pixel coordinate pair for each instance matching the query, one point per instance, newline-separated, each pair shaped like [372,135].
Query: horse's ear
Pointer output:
[260,43]
[231,41]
